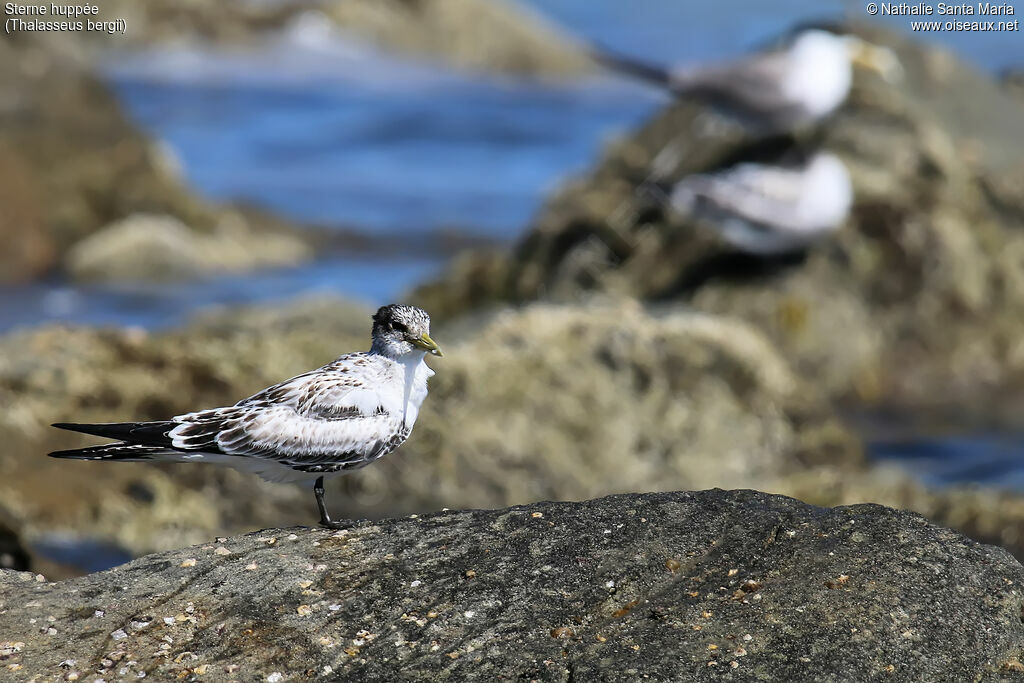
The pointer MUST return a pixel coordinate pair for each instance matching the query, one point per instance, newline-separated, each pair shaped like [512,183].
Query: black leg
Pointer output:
[325,519]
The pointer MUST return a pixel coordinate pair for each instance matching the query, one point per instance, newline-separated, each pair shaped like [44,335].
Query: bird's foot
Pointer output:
[331,524]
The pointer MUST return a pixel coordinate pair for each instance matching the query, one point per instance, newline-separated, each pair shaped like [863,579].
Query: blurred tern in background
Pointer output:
[769,210]
[796,86]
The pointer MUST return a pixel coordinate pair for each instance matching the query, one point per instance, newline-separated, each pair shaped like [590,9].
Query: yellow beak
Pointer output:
[879,59]
[427,344]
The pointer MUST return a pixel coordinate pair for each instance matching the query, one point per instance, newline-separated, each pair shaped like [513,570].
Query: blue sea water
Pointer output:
[448,151]
[986,459]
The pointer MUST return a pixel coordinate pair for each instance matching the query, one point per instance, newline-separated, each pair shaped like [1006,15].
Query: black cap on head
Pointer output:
[398,316]
[385,313]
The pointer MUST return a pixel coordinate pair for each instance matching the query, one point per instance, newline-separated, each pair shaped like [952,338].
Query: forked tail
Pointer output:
[127,452]
[136,441]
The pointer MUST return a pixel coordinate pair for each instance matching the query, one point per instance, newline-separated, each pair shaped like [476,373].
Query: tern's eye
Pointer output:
[400,327]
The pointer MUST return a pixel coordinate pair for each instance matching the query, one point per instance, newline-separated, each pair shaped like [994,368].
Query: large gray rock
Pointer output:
[714,585]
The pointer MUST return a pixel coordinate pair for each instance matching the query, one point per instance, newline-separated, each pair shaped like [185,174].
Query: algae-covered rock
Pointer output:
[677,586]
[573,402]
[153,247]
[550,402]
[917,299]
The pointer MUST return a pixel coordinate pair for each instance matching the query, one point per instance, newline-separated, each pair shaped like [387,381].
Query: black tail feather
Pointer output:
[146,433]
[112,451]
[632,67]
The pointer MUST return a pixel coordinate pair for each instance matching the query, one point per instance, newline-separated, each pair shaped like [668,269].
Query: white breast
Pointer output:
[414,375]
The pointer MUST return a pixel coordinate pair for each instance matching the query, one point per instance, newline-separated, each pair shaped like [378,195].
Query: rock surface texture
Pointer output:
[714,585]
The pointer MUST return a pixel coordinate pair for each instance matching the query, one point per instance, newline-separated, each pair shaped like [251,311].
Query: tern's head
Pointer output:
[822,41]
[402,330]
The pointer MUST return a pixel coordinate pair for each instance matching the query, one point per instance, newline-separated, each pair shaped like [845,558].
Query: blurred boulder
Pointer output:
[72,164]
[160,247]
[480,35]
[571,402]
[705,586]
[916,301]
[71,161]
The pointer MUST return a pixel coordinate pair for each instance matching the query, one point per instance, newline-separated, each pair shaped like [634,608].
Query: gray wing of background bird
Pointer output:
[761,195]
[753,83]
[770,209]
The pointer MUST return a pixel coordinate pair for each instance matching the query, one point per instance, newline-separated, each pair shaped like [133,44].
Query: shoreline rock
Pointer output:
[694,585]
[72,164]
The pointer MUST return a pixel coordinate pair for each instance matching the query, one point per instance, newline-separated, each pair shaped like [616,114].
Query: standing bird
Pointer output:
[769,210]
[798,85]
[337,418]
